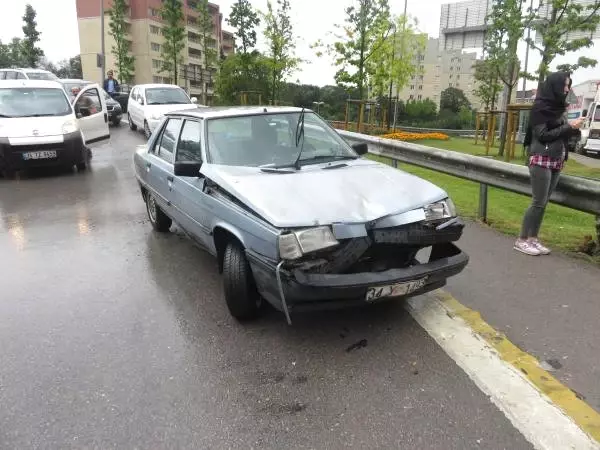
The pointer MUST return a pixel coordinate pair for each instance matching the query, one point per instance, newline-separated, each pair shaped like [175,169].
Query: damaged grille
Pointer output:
[383,249]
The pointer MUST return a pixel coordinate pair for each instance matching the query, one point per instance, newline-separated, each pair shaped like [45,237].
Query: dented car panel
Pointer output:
[321,235]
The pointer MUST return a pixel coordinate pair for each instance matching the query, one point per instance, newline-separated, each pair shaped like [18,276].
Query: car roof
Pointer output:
[27,69]
[31,83]
[73,80]
[156,85]
[212,112]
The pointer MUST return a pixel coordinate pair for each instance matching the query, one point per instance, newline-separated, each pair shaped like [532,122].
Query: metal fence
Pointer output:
[582,194]
[340,125]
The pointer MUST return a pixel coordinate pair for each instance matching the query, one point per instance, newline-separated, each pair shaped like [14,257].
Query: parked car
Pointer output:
[292,213]
[149,102]
[26,74]
[40,127]
[115,113]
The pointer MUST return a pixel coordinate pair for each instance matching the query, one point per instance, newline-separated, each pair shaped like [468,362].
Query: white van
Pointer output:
[40,127]
[26,74]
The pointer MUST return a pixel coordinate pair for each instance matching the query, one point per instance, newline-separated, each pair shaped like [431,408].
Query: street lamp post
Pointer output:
[318,105]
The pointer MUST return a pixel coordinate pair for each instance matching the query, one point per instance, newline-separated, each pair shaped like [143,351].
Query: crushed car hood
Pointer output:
[360,192]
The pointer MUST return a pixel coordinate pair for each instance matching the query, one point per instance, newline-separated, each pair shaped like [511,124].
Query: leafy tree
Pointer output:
[507,25]
[554,20]
[362,35]
[67,68]
[239,73]
[5,56]
[15,51]
[173,30]
[488,85]
[395,59]
[245,20]
[453,99]
[208,44]
[420,109]
[31,54]
[118,29]
[280,43]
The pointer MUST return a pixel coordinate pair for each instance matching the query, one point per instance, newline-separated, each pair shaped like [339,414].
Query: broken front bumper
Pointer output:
[314,291]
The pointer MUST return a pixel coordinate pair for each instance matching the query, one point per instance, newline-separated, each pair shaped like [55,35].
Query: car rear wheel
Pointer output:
[242,298]
[147,131]
[81,166]
[132,126]
[159,220]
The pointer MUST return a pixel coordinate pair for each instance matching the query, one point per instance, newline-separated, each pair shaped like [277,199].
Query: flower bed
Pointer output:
[406,136]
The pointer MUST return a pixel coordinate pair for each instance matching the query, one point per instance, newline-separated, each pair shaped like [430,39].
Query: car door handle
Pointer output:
[170,178]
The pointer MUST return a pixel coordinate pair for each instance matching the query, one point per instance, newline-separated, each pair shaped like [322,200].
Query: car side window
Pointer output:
[140,96]
[3,75]
[189,147]
[88,104]
[20,76]
[133,94]
[11,75]
[166,149]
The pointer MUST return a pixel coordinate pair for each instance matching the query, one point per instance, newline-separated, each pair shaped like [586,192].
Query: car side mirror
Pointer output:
[141,101]
[584,113]
[187,168]
[194,100]
[361,148]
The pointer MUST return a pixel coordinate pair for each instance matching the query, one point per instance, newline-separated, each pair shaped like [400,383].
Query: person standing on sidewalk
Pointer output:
[547,150]
[111,85]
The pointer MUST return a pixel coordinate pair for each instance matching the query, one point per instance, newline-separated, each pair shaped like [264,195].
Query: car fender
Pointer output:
[236,232]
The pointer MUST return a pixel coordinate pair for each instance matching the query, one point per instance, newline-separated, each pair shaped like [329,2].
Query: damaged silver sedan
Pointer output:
[293,213]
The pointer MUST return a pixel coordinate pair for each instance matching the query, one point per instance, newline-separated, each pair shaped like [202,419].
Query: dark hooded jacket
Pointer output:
[549,133]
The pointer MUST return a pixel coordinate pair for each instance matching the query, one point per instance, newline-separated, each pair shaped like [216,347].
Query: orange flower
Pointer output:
[410,136]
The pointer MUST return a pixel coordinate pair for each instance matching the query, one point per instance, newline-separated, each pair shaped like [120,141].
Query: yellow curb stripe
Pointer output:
[587,418]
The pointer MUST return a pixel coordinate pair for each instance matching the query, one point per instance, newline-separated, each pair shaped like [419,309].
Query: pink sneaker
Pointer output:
[529,248]
[543,249]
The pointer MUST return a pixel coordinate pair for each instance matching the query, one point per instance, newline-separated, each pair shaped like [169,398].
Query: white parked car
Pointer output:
[26,74]
[40,127]
[148,103]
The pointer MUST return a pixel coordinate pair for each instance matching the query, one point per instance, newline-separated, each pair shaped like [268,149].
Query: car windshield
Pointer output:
[41,76]
[269,140]
[33,102]
[166,96]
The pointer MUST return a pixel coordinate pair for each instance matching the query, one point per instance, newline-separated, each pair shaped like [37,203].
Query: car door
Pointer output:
[188,192]
[159,165]
[132,104]
[90,108]
[141,108]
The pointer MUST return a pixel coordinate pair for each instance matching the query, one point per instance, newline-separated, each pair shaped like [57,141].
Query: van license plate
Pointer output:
[43,154]
[394,290]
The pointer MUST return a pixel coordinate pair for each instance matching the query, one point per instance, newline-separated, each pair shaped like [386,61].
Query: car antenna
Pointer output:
[299,135]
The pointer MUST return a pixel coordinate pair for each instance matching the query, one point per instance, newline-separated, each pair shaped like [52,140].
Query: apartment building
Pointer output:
[440,70]
[145,43]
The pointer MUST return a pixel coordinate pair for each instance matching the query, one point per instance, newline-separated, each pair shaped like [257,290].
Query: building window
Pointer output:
[193,37]
[155,47]
[421,87]
[193,4]
[157,64]
[192,21]
[153,12]
[154,29]
[411,97]
[419,97]
[412,86]
[193,53]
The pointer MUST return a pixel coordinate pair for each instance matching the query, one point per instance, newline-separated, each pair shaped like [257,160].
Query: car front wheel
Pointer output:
[147,131]
[159,220]
[132,126]
[242,298]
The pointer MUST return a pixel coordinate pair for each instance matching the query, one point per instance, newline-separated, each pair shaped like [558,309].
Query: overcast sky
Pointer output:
[312,20]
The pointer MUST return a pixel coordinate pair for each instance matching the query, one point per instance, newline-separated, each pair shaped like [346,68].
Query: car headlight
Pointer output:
[295,245]
[69,127]
[440,210]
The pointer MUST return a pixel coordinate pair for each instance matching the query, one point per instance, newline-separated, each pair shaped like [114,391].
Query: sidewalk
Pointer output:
[549,306]
[586,160]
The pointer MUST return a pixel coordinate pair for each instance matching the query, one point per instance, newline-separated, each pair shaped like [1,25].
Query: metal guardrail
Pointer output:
[450,132]
[582,194]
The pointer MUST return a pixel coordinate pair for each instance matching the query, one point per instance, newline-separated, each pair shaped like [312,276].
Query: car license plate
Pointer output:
[42,154]
[394,290]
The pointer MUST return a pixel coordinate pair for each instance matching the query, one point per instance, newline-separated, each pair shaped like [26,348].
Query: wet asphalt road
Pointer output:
[116,337]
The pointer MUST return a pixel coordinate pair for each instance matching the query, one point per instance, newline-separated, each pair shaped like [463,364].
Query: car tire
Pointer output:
[132,126]
[159,220]
[147,131]
[81,166]
[116,122]
[242,298]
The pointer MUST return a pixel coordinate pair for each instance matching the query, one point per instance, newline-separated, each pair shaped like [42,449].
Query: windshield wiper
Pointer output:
[299,136]
[40,115]
[328,157]
[4,116]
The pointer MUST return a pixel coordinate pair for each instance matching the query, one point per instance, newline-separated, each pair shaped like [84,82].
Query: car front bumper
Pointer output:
[70,151]
[592,145]
[115,114]
[313,291]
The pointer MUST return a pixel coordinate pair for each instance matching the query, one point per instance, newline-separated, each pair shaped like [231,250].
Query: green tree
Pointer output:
[245,20]
[30,52]
[280,44]
[361,36]
[554,20]
[420,110]
[118,29]
[67,68]
[239,73]
[5,56]
[15,52]
[173,31]
[208,44]
[488,85]
[453,99]
[507,24]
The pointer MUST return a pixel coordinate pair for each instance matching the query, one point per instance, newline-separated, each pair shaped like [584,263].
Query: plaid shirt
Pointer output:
[547,162]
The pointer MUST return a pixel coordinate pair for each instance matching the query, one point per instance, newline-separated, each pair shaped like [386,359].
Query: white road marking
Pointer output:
[531,412]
